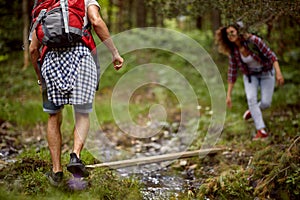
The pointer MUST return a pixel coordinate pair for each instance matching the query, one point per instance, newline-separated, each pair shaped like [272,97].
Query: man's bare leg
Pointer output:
[82,125]
[54,140]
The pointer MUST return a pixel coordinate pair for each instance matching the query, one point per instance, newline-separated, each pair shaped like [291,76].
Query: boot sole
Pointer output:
[78,170]
[53,182]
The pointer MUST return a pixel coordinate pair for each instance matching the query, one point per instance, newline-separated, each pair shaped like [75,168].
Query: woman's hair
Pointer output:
[221,40]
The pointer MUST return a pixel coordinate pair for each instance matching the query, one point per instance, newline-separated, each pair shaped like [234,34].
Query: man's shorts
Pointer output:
[50,108]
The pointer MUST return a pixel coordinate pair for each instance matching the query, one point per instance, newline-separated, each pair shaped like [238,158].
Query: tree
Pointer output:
[253,12]
[141,14]
[25,33]
[11,26]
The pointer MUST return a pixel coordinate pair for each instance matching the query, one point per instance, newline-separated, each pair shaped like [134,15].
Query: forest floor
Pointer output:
[246,169]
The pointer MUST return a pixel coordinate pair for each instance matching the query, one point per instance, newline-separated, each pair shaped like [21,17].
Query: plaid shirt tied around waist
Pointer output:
[235,61]
[70,75]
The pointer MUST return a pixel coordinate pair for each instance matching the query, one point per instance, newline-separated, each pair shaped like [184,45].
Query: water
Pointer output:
[166,183]
[159,179]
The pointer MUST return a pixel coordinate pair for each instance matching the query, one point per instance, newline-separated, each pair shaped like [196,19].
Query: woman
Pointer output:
[257,62]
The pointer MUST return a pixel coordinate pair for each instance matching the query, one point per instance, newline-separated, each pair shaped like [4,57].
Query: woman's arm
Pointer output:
[279,77]
[229,92]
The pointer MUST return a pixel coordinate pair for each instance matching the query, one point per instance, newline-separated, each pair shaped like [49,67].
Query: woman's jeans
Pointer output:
[266,82]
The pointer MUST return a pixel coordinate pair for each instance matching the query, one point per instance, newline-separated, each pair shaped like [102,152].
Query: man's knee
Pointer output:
[56,117]
[79,115]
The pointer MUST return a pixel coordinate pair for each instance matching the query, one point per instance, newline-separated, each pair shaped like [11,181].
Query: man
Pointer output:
[77,87]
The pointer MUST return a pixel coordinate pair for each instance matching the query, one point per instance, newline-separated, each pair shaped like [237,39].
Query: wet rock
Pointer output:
[183,162]
[165,149]
[192,167]
[166,134]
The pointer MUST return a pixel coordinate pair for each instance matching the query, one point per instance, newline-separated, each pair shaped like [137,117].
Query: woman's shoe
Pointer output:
[247,115]
[261,135]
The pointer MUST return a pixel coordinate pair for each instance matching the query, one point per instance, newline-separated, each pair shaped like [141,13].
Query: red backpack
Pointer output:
[75,11]
[58,23]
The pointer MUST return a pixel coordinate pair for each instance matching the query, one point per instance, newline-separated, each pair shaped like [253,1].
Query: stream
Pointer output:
[164,184]
[162,180]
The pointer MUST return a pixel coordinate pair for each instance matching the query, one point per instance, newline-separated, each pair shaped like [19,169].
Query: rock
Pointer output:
[183,163]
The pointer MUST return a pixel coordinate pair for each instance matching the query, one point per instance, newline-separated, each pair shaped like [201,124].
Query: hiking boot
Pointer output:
[247,115]
[261,135]
[76,167]
[55,179]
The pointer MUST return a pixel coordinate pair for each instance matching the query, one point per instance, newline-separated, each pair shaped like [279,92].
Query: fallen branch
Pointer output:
[155,159]
[269,180]
[295,141]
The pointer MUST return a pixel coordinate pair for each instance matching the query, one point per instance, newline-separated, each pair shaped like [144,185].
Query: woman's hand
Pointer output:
[279,79]
[228,102]
[228,97]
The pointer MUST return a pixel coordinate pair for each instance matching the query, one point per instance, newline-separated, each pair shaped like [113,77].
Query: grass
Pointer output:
[25,180]
[20,104]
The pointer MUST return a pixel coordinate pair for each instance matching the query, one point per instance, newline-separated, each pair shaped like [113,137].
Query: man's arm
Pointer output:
[103,33]
[35,54]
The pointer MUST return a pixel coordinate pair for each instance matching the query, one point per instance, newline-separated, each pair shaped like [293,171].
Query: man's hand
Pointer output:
[118,62]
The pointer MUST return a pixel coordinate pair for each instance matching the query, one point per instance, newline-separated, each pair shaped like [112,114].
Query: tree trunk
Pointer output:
[199,22]
[120,16]
[215,19]
[109,14]
[141,14]
[130,14]
[154,17]
[25,33]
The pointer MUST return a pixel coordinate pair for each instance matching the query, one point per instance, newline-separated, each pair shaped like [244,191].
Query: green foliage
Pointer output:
[11,26]
[293,181]
[278,177]
[11,110]
[232,184]
[273,172]
[267,18]
[114,187]
[17,87]
[250,11]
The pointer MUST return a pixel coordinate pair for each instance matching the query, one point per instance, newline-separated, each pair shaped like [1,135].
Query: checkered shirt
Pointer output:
[70,75]
[235,61]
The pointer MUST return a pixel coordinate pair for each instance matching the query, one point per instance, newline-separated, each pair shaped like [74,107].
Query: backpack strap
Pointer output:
[38,20]
[65,13]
